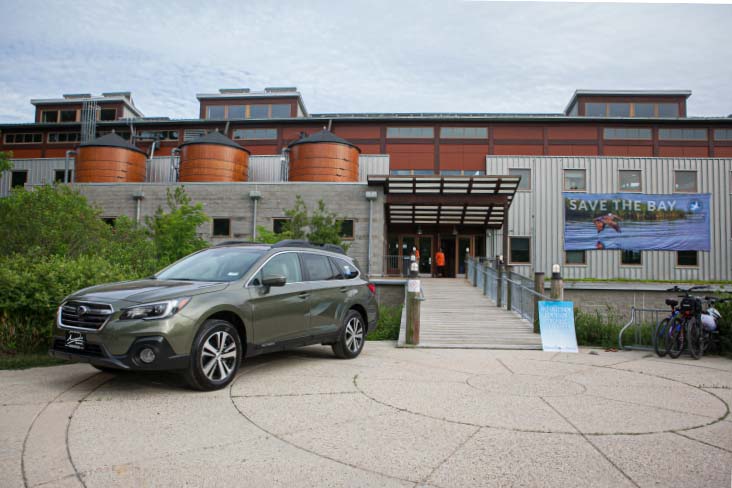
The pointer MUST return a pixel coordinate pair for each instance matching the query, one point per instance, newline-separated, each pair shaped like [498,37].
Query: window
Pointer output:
[158,135]
[668,110]
[410,132]
[347,270]
[525,174]
[68,116]
[278,225]
[222,227]
[398,172]
[723,134]
[237,112]
[520,250]
[49,116]
[416,172]
[259,111]
[594,109]
[464,133]
[575,257]
[630,180]
[457,172]
[645,110]
[318,267]
[250,134]
[687,258]
[422,172]
[54,137]
[682,134]
[122,133]
[346,229]
[59,175]
[685,182]
[286,264]
[630,258]
[28,138]
[451,172]
[280,111]
[110,221]
[18,179]
[215,112]
[618,109]
[108,114]
[575,180]
[626,133]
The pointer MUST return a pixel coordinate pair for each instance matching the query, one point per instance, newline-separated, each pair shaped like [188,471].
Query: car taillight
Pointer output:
[372,288]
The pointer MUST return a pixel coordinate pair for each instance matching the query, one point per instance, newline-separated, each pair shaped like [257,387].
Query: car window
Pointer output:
[286,264]
[318,267]
[346,270]
[214,264]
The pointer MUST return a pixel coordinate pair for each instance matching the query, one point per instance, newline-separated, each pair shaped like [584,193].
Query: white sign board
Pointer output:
[413,286]
[556,321]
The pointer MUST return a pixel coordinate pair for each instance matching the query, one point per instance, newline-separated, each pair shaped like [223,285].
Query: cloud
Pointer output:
[363,56]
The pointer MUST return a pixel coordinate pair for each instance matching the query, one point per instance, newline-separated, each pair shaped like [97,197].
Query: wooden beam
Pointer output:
[458,199]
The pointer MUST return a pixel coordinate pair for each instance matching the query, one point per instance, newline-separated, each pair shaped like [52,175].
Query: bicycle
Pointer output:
[661,329]
[702,331]
[684,323]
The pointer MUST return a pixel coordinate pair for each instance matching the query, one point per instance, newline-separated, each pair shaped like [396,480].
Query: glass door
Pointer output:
[425,255]
[392,255]
[408,242]
[465,249]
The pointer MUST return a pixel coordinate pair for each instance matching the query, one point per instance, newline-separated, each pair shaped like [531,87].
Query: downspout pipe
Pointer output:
[69,153]
[173,167]
[370,196]
[255,196]
[138,196]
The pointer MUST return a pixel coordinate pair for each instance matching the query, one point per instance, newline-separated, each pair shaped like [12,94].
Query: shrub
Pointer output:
[389,322]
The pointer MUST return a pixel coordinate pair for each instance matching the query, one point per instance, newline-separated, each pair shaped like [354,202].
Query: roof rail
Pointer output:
[233,243]
[309,245]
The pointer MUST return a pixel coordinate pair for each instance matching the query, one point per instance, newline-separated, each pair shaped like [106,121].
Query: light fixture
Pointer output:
[419,230]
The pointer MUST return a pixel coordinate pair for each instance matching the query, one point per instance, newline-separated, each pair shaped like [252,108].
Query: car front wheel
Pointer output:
[215,356]
[350,342]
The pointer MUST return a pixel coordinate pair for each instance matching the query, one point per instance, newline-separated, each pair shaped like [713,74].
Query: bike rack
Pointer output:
[635,316]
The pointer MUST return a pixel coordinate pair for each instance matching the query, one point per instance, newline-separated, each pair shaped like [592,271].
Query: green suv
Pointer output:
[205,313]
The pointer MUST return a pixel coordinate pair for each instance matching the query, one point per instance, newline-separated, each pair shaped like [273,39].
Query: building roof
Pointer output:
[76,98]
[215,138]
[111,140]
[625,93]
[244,93]
[324,136]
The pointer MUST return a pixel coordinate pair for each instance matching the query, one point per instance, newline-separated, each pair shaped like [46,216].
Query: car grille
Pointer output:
[94,350]
[85,315]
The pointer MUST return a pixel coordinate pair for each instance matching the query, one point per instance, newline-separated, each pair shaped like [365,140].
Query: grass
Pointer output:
[388,328]
[25,361]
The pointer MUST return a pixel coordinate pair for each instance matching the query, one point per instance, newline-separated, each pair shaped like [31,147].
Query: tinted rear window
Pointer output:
[318,267]
[346,270]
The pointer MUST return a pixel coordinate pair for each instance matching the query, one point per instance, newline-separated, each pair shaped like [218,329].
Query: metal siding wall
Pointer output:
[40,171]
[159,169]
[544,203]
[265,168]
[372,164]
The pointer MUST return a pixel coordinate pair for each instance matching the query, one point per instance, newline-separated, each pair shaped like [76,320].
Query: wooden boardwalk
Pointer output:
[457,315]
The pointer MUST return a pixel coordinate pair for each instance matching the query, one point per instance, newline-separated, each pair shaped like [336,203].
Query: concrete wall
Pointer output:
[231,200]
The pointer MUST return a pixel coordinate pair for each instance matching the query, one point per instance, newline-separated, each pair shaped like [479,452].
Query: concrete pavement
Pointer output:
[392,417]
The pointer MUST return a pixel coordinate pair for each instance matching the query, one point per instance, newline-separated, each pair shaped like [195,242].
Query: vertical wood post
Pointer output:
[557,292]
[538,288]
[413,303]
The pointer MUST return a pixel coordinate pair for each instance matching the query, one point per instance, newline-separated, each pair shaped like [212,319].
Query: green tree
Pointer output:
[325,227]
[174,233]
[5,162]
[296,226]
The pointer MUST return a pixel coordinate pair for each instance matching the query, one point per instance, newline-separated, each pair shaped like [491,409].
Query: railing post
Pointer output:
[538,288]
[486,265]
[413,303]
[499,286]
[557,292]
[509,288]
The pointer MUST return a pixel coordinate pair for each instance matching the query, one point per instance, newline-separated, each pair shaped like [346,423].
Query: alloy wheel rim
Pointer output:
[354,334]
[218,357]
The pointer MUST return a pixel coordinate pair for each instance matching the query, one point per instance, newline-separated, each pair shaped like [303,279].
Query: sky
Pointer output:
[373,56]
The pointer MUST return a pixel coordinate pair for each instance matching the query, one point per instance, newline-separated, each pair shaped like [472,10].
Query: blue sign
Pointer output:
[636,222]
[556,322]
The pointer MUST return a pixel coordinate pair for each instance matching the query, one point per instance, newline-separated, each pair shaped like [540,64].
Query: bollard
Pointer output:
[413,302]
[499,285]
[509,288]
[538,288]
[557,292]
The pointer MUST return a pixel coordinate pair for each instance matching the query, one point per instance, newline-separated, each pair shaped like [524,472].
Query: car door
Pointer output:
[281,313]
[326,298]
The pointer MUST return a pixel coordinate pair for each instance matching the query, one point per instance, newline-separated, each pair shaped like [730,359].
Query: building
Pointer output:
[437,191]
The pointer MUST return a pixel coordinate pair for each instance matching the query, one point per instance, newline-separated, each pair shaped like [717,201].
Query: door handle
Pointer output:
[303,295]
[344,289]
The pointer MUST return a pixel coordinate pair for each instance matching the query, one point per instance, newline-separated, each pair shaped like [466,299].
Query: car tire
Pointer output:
[215,356]
[353,334]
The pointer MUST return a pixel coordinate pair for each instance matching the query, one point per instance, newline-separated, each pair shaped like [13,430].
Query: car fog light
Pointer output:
[147,355]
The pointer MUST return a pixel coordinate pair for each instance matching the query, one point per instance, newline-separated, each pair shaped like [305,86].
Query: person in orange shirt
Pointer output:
[440,262]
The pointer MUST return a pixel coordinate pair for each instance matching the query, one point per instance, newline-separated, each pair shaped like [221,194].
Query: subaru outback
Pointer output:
[205,313]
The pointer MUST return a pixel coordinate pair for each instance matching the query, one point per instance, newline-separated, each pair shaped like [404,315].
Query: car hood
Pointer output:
[145,291]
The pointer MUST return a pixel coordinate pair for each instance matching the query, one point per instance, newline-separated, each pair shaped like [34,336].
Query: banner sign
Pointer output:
[636,222]
[556,322]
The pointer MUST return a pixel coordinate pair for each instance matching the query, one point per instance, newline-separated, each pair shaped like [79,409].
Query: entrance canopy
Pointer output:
[449,200]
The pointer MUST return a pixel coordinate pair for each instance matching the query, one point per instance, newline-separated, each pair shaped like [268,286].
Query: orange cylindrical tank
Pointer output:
[213,157]
[109,159]
[323,157]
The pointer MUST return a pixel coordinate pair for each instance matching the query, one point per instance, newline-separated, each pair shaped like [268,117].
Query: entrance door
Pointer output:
[425,255]
[393,263]
[464,250]
[408,242]
[448,247]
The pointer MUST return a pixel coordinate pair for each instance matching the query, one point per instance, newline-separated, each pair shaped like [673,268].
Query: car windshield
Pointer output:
[215,264]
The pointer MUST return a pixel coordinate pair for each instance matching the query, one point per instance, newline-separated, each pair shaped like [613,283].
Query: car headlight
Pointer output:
[157,310]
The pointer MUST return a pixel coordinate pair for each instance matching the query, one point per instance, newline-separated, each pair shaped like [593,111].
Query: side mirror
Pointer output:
[274,280]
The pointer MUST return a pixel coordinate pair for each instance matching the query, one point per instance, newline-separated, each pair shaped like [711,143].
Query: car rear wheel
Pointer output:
[350,342]
[215,356]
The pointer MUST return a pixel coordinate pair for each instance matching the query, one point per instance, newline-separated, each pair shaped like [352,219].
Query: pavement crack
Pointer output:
[591,443]
[454,451]
[701,442]
[504,365]
[290,395]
